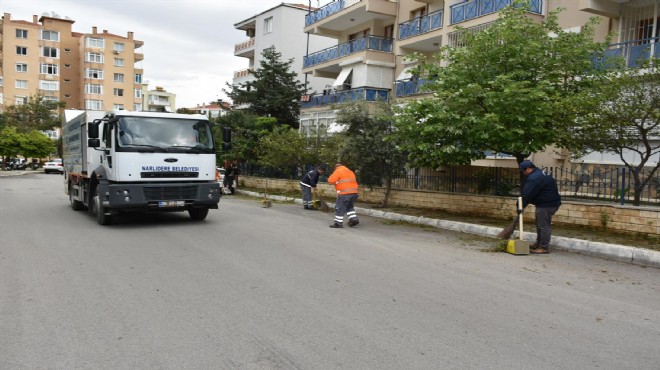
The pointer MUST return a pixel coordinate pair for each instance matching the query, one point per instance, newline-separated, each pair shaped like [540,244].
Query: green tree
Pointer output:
[247,129]
[624,119]
[283,148]
[36,114]
[506,90]
[370,147]
[275,91]
[35,144]
[10,142]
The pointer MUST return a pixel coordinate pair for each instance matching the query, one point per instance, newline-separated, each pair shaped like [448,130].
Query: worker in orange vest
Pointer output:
[346,187]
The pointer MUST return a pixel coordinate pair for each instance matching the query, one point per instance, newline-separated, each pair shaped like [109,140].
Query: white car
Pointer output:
[54,165]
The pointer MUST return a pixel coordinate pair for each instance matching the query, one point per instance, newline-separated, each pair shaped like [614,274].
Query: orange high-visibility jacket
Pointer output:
[344,181]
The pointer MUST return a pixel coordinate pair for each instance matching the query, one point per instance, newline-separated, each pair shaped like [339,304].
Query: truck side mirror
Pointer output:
[93,143]
[93,129]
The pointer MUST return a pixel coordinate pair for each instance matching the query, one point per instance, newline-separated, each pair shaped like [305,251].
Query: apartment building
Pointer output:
[280,27]
[158,100]
[375,39]
[94,71]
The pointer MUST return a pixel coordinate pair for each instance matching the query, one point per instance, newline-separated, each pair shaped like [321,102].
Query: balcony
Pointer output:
[342,15]
[243,73]
[634,53]
[477,8]
[420,25]
[374,43]
[138,57]
[345,96]
[409,87]
[245,48]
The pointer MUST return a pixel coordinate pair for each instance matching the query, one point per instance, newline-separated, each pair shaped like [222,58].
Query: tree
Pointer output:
[10,142]
[624,119]
[35,144]
[283,148]
[505,91]
[275,91]
[247,129]
[36,114]
[370,147]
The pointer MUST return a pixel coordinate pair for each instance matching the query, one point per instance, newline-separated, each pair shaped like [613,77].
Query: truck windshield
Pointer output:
[162,133]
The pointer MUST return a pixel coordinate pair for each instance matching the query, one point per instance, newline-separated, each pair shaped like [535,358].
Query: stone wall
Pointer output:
[616,217]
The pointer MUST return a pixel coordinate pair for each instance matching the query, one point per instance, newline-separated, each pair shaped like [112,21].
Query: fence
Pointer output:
[600,183]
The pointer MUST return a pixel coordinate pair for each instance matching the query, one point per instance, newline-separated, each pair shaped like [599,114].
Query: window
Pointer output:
[118,106]
[119,62]
[93,89]
[21,50]
[21,67]
[268,25]
[50,35]
[138,78]
[138,93]
[389,32]
[21,34]
[137,107]
[94,104]
[118,77]
[645,31]
[418,13]
[50,98]
[50,69]
[95,42]
[96,74]
[21,84]
[94,57]
[118,92]
[49,52]
[118,47]
[49,85]
[20,100]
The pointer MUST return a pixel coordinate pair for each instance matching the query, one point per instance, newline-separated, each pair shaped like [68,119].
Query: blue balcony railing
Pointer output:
[634,53]
[363,43]
[408,87]
[324,12]
[477,8]
[362,93]
[419,25]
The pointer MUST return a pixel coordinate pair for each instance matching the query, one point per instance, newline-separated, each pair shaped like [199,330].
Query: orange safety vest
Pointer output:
[344,181]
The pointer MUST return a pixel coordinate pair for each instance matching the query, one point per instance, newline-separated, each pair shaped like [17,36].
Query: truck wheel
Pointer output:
[99,211]
[76,205]
[198,214]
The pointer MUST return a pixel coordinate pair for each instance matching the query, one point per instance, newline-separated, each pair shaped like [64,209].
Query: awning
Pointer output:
[406,73]
[343,75]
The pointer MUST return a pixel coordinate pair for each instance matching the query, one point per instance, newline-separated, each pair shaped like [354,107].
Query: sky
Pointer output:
[188,44]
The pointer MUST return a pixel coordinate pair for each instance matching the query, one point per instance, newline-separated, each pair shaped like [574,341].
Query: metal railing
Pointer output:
[477,8]
[602,184]
[408,87]
[344,96]
[328,10]
[376,43]
[420,25]
[634,52]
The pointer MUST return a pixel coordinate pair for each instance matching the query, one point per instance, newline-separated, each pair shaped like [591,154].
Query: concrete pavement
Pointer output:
[623,253]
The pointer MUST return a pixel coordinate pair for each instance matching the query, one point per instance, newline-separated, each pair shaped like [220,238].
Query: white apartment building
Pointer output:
[280,27]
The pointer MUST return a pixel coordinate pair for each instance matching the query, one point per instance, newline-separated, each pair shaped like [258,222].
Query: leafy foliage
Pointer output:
[275,91]
[505,91]
[37,114]
[624,118]
[282,148]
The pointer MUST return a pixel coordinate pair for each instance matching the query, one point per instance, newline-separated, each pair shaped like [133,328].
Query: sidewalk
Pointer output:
[623,253]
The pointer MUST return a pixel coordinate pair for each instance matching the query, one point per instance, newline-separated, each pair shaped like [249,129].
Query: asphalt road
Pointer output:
[275,288]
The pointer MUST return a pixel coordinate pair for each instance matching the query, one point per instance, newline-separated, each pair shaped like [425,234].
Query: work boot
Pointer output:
[336,226]
[539,250]
[352,222]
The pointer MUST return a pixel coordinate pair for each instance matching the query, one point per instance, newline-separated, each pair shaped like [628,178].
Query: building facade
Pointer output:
[93,71]
[375,39]
[280,27]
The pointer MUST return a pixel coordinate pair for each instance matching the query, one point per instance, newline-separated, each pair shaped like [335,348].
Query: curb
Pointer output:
[622,253]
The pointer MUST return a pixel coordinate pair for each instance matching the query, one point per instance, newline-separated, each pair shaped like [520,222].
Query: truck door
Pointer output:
[106,145]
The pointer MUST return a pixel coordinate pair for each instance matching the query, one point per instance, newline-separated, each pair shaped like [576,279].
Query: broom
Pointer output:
[322,204]
[508,230]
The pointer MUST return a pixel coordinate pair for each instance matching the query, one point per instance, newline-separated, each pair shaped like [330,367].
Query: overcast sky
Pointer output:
[188,44]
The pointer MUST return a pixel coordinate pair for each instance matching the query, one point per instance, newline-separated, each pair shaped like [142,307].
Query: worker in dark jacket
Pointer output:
[308,184]
[540,190]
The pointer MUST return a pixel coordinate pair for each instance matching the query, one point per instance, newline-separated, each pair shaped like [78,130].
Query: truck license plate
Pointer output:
[171,203]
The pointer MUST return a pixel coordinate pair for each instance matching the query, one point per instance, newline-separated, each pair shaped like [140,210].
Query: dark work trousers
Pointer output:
[544,225]
[345,206]
[306,196]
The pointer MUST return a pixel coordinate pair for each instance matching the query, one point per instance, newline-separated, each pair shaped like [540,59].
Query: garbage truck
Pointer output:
[124,162]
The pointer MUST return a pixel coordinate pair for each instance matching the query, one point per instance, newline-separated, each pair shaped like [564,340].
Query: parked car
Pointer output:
[54,165]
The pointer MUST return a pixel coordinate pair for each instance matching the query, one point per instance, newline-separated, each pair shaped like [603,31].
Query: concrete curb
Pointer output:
[623,253]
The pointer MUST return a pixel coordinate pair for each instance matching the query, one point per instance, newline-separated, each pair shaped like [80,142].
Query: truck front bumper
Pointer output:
[161,196]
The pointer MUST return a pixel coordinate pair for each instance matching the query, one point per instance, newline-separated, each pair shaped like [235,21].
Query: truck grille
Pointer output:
[170,192]
[160,175]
